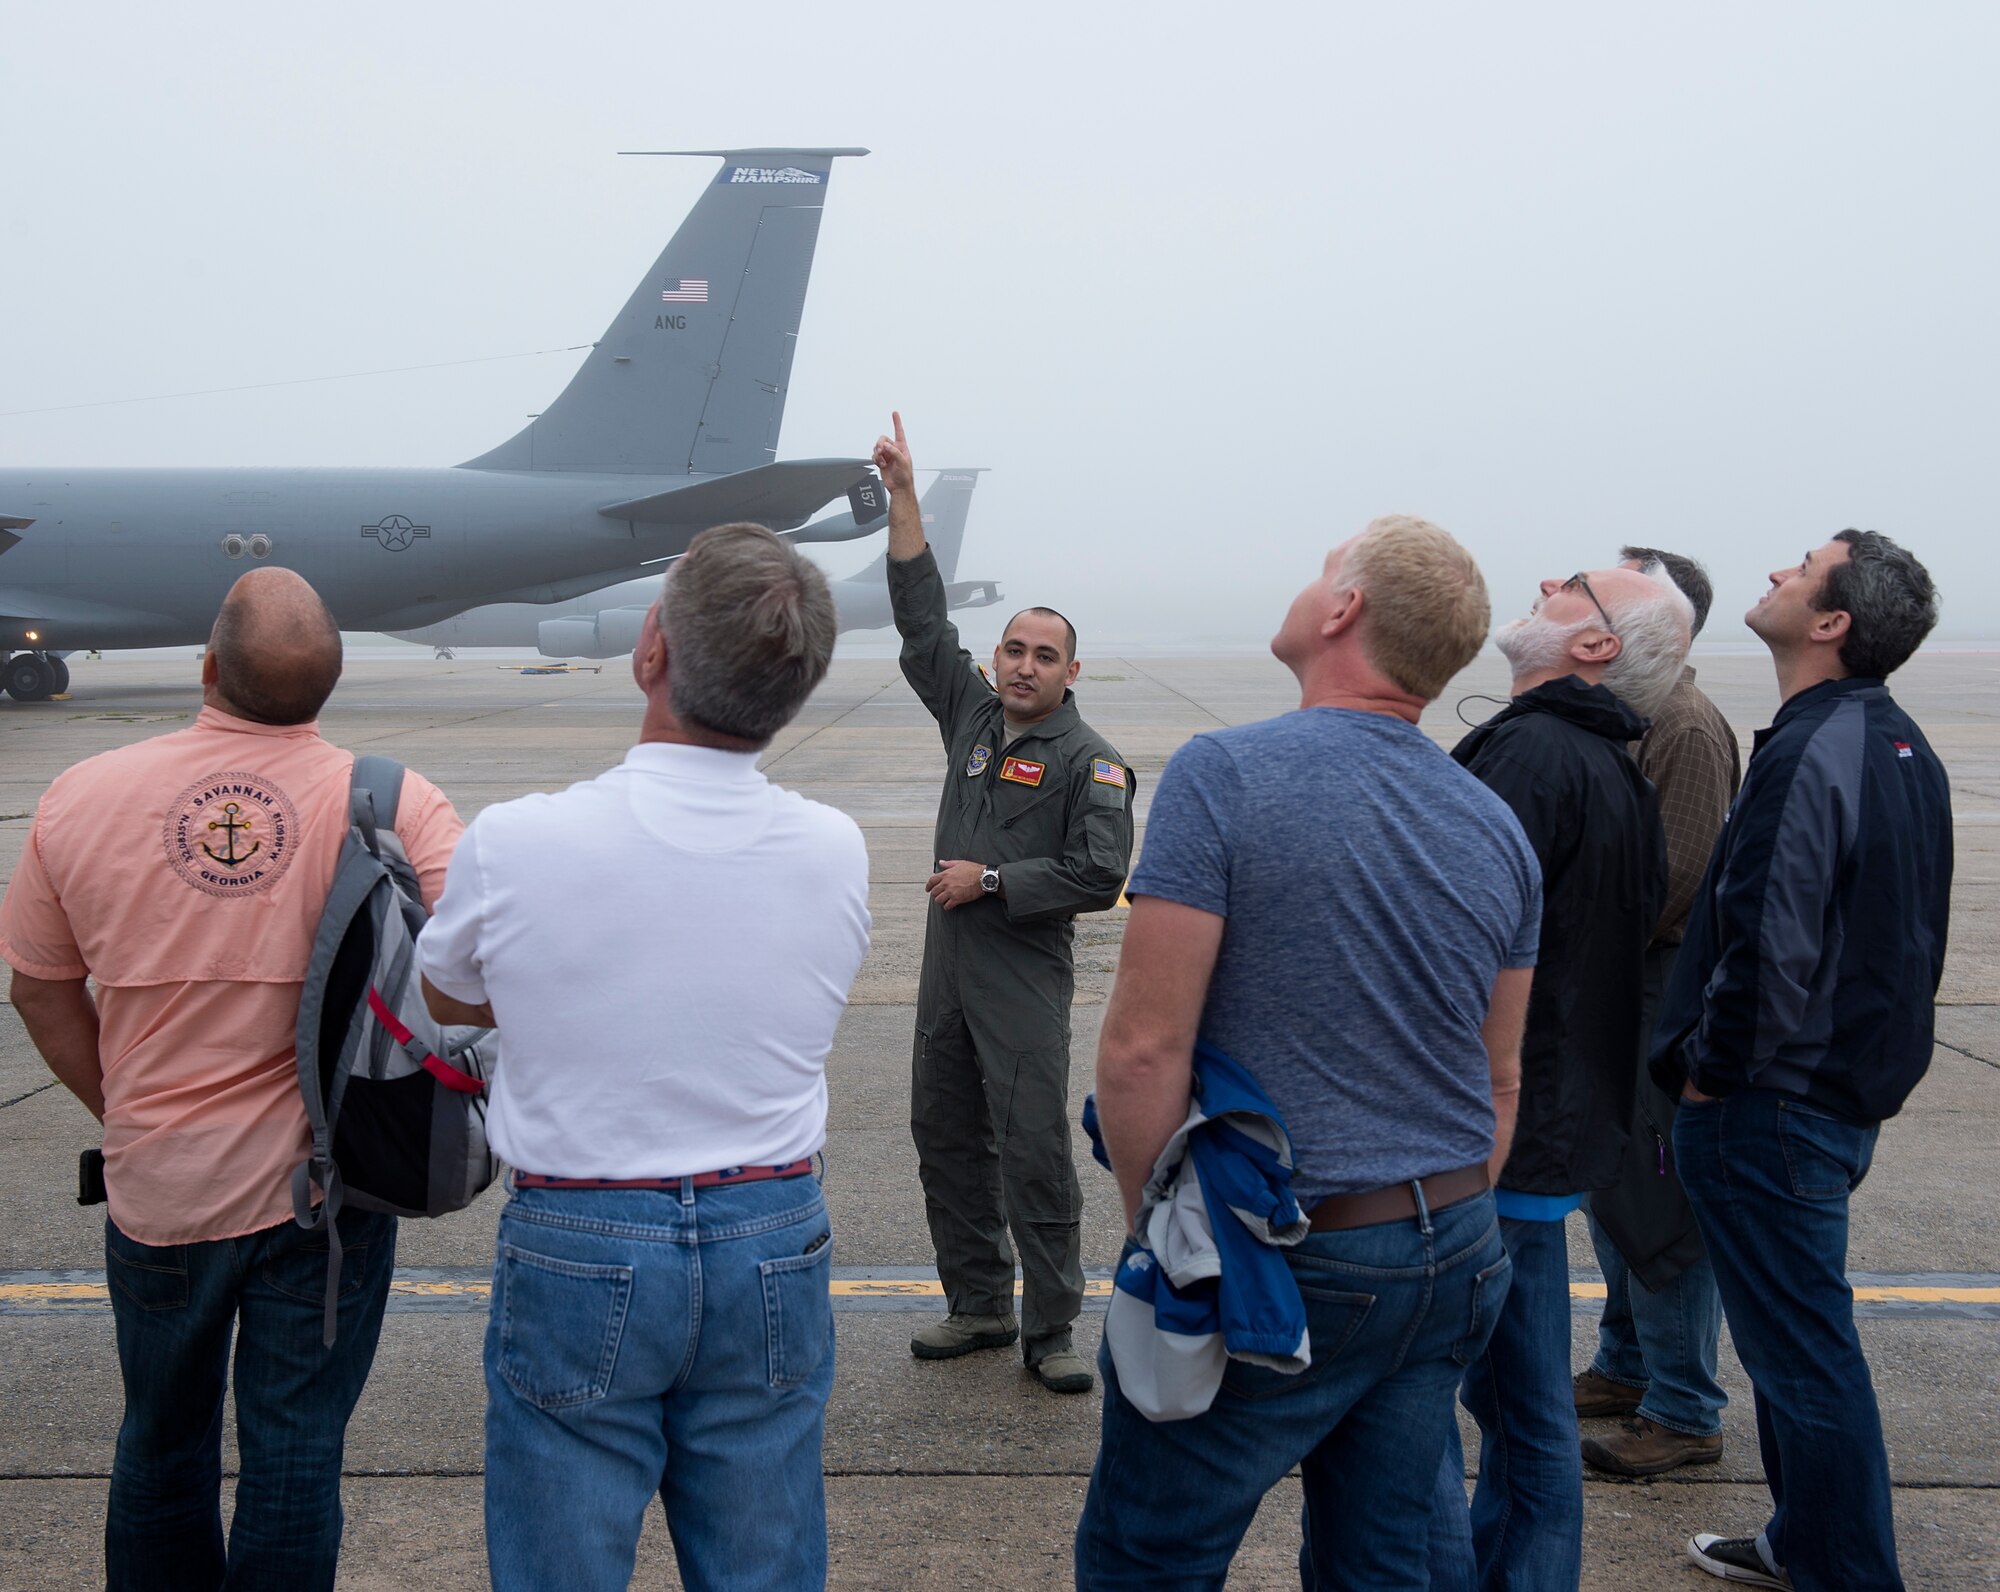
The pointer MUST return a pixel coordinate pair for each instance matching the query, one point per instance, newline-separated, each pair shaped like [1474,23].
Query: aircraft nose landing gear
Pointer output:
[33,676]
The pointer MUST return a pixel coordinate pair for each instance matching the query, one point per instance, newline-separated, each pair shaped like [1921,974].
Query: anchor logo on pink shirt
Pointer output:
[231,834]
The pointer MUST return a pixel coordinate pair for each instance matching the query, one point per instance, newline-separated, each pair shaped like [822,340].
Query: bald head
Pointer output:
[274,654]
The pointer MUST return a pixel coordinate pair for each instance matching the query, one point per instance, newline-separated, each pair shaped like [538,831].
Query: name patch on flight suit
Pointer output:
[1021,771]
[976,763]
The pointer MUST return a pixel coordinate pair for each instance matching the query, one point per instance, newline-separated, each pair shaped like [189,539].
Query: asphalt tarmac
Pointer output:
[965,1472]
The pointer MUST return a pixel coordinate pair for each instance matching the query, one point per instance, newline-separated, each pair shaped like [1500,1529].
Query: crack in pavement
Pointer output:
[819,729]
[1175,690]
[39,1089]
[1968,1055]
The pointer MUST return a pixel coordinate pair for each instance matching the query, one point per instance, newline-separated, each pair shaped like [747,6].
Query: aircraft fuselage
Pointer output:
[142,558]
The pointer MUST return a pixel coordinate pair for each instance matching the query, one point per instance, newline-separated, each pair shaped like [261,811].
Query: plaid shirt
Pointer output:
[1691,757]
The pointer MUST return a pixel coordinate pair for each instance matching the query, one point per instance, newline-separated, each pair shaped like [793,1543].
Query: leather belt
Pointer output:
[1339,1212]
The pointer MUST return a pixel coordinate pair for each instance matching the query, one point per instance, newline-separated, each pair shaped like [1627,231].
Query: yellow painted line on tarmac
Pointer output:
[1926,1296]
[27,1294]
[42,1295]
[411,1288]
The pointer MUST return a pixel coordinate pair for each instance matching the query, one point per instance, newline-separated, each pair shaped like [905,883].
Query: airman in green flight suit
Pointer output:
[1033,827]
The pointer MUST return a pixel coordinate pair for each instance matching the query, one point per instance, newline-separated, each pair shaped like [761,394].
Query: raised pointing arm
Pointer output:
[899,475]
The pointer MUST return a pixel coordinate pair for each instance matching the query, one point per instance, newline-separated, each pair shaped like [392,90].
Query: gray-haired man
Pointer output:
[1600,651]
[1662,1321]
[667,950]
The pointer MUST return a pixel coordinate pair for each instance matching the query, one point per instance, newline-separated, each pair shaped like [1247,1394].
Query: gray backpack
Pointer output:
[396,1101]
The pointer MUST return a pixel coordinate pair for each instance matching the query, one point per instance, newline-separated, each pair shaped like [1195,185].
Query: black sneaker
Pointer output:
[1734,1559]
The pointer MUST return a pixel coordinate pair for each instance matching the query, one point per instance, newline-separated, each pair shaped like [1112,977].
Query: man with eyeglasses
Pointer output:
[1599,652]
[1661,1325]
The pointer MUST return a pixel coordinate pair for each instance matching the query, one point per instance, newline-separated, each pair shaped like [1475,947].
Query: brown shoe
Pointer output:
[1641,1448]
[1599,1395]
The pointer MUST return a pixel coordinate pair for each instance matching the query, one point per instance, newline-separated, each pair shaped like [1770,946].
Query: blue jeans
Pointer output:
[1524,1532]
[643,1341]
[1769,1179]
[1395,1312]
[1663,1343]
[175,1308]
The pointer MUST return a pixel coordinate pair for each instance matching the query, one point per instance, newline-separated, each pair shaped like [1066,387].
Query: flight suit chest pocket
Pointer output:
[1018,805]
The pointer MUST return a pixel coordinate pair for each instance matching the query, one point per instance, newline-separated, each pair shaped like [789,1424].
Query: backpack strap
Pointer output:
[375,788]
[375,791]
[380,780]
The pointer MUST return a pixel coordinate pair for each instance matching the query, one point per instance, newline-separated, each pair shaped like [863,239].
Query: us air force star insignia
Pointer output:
[1022,772]
[395,532]
[231,834]
[975,765]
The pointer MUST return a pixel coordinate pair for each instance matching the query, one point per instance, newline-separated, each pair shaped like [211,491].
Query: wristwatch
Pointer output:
[989,880]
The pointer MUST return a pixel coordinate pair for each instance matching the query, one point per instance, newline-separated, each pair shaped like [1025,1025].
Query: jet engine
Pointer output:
[611,634]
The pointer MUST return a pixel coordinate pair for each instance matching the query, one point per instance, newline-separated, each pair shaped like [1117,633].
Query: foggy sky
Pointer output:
[1206,289]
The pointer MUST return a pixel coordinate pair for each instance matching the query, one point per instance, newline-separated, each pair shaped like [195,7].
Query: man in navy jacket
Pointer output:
[1798,1017]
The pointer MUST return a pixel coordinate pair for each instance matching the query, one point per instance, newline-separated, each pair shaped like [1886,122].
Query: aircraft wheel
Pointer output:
[28,678]
[61,669]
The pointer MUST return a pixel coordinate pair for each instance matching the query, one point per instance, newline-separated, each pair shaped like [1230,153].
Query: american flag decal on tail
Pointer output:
[687,292]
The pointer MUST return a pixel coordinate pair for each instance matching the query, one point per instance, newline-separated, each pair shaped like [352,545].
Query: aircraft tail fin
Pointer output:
[945,507]
[691,377]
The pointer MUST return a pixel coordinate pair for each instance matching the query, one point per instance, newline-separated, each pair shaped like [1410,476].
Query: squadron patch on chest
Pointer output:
[975,765]
[1106,772]
[1021,771]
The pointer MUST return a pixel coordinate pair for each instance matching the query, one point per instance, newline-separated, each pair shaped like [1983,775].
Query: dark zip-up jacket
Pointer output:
[1053,811]
[1814,950]
[1557,756]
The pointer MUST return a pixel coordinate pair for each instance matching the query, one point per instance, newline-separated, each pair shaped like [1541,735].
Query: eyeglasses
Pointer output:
[1576,582]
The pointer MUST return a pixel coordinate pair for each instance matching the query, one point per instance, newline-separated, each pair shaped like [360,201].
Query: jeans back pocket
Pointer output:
[560,1326]
[798,1313]
[151,1276]
[1333,1317]
[1489,1293]
[1825,1157]
[295,1261]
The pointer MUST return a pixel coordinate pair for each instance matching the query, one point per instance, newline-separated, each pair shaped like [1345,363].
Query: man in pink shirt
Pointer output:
[185,876]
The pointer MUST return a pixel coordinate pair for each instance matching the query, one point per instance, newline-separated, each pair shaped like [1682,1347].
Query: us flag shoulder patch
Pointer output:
[1106,772]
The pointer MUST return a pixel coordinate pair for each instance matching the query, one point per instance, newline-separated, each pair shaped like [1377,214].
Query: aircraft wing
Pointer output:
[837,528]
[9,524]
[781,495]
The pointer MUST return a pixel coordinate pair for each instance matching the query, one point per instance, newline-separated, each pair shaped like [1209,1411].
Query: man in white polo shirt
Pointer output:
[666,950]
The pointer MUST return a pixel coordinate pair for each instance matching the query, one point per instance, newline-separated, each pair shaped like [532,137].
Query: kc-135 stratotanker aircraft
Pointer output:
[605,624]
[670,426]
